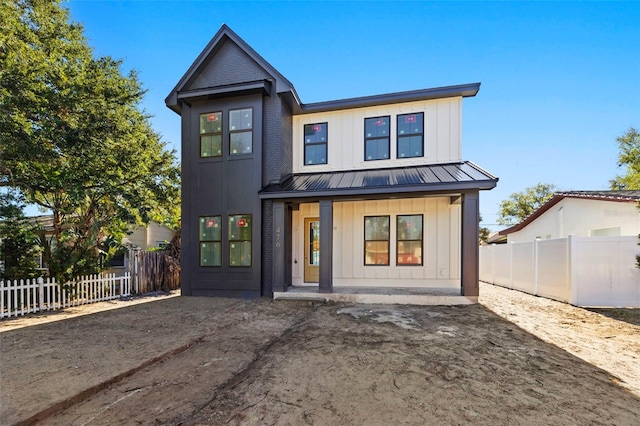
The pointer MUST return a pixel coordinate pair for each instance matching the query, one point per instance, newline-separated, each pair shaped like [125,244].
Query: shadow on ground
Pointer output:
[628,315]
[264,362]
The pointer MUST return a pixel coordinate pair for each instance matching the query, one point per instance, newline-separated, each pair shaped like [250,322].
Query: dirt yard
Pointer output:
[512,359]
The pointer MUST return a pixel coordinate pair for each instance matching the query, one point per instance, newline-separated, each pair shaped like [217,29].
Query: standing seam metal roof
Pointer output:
[433,177]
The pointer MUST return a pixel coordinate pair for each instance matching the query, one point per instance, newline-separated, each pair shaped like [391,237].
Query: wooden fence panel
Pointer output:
[157,271]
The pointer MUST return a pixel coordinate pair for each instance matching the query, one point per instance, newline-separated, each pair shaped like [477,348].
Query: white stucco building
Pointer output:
[583,214]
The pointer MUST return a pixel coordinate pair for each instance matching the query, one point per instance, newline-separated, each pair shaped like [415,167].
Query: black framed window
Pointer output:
[211,134]
[210,241]
[240,240]
[376,138]
[410,137]
[409,240]
[376,240]
[315,143]
[241,131]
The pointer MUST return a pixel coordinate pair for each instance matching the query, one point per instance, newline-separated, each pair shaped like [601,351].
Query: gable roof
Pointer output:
[615,196]
[225,33]
[285,88]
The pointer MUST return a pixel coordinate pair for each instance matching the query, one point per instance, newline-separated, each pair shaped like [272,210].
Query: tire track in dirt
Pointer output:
[172,389]
[455,365]
[257,363]
[97,388]
[93,390]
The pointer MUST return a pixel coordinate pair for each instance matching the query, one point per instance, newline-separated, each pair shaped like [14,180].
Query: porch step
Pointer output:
[373,298]
[299,297]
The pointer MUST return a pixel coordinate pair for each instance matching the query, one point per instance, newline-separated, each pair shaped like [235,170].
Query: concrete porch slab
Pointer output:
[377,295]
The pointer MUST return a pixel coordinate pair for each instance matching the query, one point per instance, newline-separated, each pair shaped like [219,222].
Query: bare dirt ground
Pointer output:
[512,359]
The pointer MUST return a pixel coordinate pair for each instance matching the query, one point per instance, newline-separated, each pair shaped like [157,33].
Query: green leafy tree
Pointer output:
[483,234]
[18,241]
[73,139]
[629,159]
[519,205]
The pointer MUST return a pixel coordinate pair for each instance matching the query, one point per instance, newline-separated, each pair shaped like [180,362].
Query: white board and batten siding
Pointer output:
[345,138]
[441,243]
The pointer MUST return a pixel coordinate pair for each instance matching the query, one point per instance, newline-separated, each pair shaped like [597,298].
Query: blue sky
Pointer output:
[560,80]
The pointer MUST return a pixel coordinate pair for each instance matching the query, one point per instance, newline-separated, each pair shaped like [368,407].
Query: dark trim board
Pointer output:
[262,87]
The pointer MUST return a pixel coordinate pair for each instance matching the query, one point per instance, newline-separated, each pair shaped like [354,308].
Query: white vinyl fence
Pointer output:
[20,297]
[582,271]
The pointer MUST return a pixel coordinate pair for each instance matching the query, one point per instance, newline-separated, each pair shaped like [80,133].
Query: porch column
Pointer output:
[280,235]
[326,246]
[470,269]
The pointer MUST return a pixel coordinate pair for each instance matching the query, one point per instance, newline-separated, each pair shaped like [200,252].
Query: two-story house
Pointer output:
[368,191]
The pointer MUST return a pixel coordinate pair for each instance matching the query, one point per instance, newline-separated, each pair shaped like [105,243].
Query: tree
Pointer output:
[483,233]
[18,241]
[629,158]
[73,139]
[519,205]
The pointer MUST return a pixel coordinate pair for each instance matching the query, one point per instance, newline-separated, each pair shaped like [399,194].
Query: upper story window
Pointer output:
[410,135]
[315,143]
[241,131]
[211,134]
[376,138]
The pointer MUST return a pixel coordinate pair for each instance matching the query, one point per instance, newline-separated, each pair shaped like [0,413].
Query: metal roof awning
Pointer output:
[436,178]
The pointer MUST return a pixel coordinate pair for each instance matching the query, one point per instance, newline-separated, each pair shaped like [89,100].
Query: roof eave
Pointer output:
[533,216]
[462,90]
[448,187]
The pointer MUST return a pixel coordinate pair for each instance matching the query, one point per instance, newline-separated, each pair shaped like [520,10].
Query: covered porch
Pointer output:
[445,267]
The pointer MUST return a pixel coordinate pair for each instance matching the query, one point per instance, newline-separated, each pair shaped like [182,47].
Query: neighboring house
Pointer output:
[496,238]
[153,235]
[139,238]
[581,213]
[368,191]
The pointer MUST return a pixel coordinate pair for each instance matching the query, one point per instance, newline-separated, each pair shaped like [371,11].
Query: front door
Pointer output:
[311,250]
